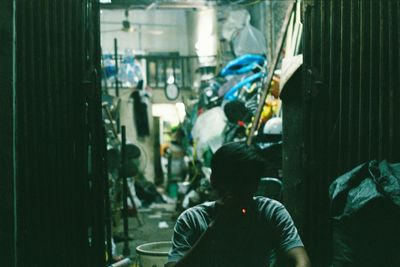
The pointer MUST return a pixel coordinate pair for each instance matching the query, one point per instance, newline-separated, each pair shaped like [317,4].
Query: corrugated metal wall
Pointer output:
[7,216]
[352,98]
[58,149]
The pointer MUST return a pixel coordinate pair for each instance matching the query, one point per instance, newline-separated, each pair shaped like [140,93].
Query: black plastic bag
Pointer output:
[366,216]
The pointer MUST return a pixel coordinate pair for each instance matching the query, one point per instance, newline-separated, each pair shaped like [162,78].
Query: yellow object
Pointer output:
[266,113]
[271,107]
[276,106]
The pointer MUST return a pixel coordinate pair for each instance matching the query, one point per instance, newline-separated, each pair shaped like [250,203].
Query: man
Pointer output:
[237,229]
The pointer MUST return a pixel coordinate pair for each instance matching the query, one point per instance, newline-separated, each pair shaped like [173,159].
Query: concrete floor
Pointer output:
[149,231]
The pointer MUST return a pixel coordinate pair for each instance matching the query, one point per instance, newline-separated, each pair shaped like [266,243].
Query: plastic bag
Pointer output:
[249,40]
[130,72]
[208,130]
[109,69]
[236,21]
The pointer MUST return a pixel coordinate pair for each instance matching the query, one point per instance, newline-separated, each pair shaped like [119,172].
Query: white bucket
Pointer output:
[153,254]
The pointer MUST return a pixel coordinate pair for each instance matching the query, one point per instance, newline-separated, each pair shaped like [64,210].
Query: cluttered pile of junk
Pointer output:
[224,112]
[239,103]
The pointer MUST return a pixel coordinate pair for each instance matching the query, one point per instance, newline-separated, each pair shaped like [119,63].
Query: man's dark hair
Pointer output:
[236,168]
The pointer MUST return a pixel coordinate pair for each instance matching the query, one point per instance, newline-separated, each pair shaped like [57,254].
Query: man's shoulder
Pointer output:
[268,206]
[203,209]
[205,206]
[260,200]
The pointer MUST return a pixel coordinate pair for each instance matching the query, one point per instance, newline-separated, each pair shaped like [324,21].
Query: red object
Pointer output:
[240,123]
[244,211]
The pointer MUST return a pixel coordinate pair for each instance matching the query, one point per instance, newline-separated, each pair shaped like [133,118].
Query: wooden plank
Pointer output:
[271,70]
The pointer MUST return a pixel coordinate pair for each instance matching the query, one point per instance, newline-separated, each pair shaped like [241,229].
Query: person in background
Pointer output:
[237,229]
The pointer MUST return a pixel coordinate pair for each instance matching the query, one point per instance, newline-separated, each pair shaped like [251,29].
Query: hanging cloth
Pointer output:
[141,118]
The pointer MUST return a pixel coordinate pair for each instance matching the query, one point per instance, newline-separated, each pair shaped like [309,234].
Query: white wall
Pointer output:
[170,37]
[127,119]
[146,143]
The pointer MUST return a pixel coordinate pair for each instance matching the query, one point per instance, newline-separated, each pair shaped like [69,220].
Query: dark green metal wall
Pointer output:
[7,182]
[54,134]
[351,99]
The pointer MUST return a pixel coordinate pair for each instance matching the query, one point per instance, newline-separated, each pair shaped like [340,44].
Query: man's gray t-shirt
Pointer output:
[273,230]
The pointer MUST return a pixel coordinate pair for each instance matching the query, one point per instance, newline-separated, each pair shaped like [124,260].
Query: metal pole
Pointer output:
[107,202]
[98,141]
[126,250]
[103,72]
[110,118]
[116,66]
[116,77]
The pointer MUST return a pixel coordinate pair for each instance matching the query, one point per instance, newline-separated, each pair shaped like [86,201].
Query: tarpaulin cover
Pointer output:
[366,216]
[368,181]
